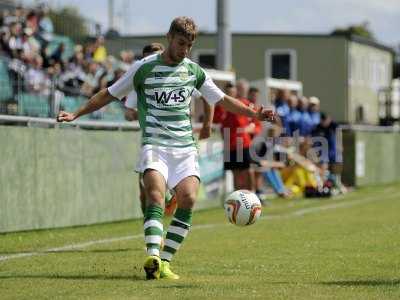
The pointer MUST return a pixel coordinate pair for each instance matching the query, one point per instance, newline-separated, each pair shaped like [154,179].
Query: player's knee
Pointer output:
[186,199]
[154,196]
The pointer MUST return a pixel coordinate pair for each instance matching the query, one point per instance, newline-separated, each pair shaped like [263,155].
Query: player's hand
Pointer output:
[64,116]
[251,128]
[263,114]
[205,132]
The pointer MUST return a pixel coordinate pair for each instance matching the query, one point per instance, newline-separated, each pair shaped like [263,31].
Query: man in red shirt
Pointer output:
[237,132]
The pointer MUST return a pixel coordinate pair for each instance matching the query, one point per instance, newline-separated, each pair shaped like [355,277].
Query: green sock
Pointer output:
[177,231]
[153,229]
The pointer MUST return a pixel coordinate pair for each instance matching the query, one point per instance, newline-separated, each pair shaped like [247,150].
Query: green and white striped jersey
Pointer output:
[163,95]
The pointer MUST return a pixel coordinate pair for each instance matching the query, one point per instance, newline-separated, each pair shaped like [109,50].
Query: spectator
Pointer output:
[100,51]
[252,98]
[327,129]
[4,42]
[306,125]
[57,56]
[282,109]
[236,133]
[294,116]
[19,15]
[36,79]
[128,58]
[148,50]
[253,94]
[92,74]
[32,21]
[8,18]
[15,41]
[301,174]
[314,110]
[46,26]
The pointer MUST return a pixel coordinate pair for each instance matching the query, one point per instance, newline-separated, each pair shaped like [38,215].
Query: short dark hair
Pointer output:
[151,48]
[229,85]
[253,89]
[184,26]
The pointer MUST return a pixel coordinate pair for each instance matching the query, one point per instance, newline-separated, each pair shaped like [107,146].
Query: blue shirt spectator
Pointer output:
[294,120]
[306,124]
[314,111]
[282,110]
[327,129]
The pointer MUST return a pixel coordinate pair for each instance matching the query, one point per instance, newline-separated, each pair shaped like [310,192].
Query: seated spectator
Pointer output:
[128,57]
[32,21]
[268,163]
[328,160]
[36,79]
[4,43]
[46,27]
[57,55]
[301,173]
[92,74]
[15,41]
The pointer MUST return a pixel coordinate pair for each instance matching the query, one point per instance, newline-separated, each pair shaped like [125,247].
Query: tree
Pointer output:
[68,21]
[362,30]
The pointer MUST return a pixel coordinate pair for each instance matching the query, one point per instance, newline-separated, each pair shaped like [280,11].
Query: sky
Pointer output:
[282,16]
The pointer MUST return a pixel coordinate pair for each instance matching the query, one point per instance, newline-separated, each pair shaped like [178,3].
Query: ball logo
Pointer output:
[244,200]
[255,211]
[233,207]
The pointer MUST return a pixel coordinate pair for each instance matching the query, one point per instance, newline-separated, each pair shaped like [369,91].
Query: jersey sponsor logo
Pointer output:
[171,97]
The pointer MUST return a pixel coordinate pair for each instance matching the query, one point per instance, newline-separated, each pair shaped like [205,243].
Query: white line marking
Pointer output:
[296,213]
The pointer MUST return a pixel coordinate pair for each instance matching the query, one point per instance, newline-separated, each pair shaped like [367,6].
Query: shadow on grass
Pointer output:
[74,277]
[372,282]
[101,277]
[176,286]
[73,251]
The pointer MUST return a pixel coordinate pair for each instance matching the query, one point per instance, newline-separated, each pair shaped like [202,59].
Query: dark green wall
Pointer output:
[66,177]
[61,177]
[381,157]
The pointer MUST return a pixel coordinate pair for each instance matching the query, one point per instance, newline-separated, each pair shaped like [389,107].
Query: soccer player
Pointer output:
[169,157]
[131,113]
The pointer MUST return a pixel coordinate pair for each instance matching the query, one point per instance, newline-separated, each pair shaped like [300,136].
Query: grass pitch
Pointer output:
[344,248]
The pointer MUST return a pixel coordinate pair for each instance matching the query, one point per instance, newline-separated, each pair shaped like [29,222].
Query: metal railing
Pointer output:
[79,124]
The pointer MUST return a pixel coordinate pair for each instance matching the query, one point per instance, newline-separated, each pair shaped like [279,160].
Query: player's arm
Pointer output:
[205,131]
[99,100]
[214,95]
[130,114]
[235,106]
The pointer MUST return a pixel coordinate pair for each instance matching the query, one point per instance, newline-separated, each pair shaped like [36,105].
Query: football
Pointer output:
[242,207]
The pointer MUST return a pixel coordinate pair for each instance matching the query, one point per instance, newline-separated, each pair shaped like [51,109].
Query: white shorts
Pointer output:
[175,164]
